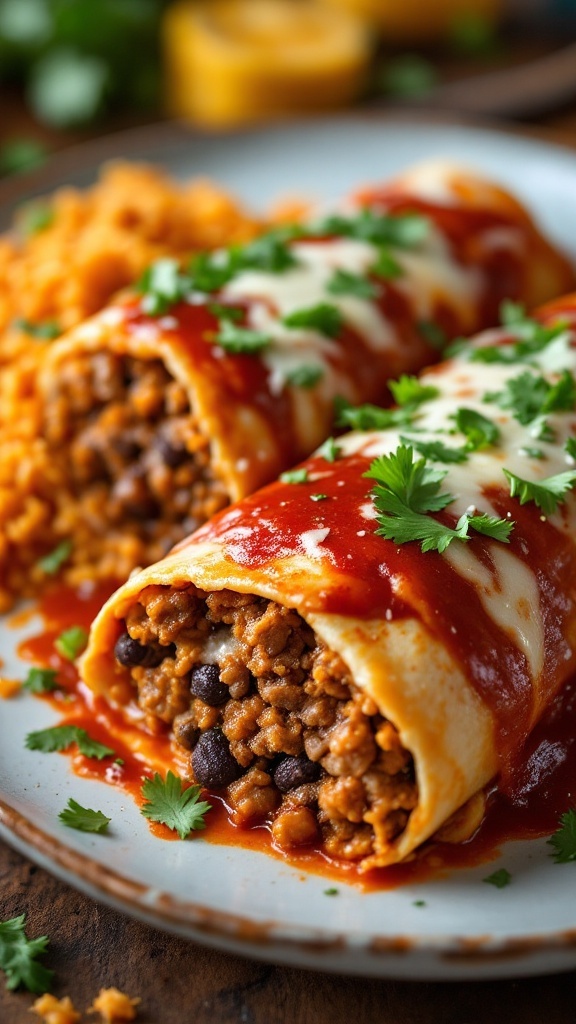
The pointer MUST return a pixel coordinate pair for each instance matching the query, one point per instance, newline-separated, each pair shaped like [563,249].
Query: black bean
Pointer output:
[172,453]
[205,683]
[213,764]
[130,652]
[295,771]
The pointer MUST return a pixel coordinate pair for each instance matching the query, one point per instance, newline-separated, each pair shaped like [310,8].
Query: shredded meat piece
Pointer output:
[310,751]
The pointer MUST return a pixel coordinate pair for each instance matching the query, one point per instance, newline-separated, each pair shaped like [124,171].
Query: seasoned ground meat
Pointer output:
[294,742]
[134,452]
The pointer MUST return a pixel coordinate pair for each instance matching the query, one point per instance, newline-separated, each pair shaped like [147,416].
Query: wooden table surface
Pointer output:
[179,982]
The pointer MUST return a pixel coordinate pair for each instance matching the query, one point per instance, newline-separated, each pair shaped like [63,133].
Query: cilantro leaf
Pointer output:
[294,476]
[547,493]
[386,266]
[162,285]
[344,282]
[52,562]
[83,818]
[305,376]
[241,340]
[323,317]
[479,431]
[490,526]
[318,497]
[19,957]
[60,737]
[523,395]
[370,417]
[408,391]
[222,312]
[71,642]
[414,483]
[563,840]
[531,337]
[41,680]
[33,217]
[433,334]
[404,230]
[436,451]
[500,879]
[570,447]
[330,450]
[269,252]
[45,330]
[168,803]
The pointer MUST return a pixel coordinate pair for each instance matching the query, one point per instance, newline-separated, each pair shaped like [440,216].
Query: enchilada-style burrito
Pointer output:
[355,651]
[207,382]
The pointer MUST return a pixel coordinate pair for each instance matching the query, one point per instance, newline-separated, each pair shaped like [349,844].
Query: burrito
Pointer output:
[206,382]
[352,653]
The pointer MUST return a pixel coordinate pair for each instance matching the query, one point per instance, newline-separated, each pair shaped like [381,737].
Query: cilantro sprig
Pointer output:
[41,680]
[563,841]
[170,804]
[409,391]
[71,642]
[405,494]
[530,396]
[547,493]
[84,819]
[530,337]
[61,737]
[479,431]
[19,957]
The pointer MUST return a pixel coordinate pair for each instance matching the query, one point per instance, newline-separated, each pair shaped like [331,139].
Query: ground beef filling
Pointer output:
[271,718]
[135,456]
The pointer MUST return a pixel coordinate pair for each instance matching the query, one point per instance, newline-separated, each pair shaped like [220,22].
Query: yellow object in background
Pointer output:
[231,62]
[417,21]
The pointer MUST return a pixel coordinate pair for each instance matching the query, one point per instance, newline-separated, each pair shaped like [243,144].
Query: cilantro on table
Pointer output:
[294,476]
[60,737]
[479,431]
[323,317]
[241,340]
[41,680]
[54,560]
[563,840]
[305,376]
[19,957]
[499,879]
[168,803]
[330,450]
[409,391]
[44,330]
[407,491]
[84,819]
[71,642]
[370,417]
[344,282]
[547,493]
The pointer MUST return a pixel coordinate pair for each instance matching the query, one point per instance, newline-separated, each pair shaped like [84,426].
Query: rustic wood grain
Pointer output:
[180,982]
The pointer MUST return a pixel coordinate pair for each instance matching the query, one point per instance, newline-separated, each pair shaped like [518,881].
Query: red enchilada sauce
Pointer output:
[541,781]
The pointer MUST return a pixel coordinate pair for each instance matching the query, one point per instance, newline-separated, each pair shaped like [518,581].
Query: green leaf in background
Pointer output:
[21,155]
[68,88]
[407,75]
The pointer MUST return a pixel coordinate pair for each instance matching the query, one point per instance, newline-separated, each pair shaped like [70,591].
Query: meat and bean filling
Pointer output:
[133,447]
[271,718]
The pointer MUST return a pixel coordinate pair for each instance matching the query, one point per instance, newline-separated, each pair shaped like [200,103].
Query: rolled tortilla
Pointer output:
[150,424]
[366,688]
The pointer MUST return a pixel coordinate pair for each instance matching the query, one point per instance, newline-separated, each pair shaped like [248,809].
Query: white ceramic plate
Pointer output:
[239,899]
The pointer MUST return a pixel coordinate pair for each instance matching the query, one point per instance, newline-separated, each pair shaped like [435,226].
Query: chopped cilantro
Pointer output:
[330,450]
[570,447]
[305,376]
[408,75]
[530,396]
[222,312]
[436,451]
[479,431]
[209,272]
[241,340]
[419,903]
[386,266]
[532,453]
[563,840]
[500,879]
[370,417]
[269,252]
[531,337]
[34,217]
[323,317]
[331,892]
[406,491]
[344,282]
[45,330]
[547,493]
[83,818]
[167,802]
[41,680]
[53,561]
[318,497]
[404,230]
[71,642]
[19,957]
[409,391]
[433,334]
[60,737]
[294,476]
[162,285]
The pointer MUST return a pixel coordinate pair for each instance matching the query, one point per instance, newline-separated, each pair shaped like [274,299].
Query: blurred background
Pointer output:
[72,69]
